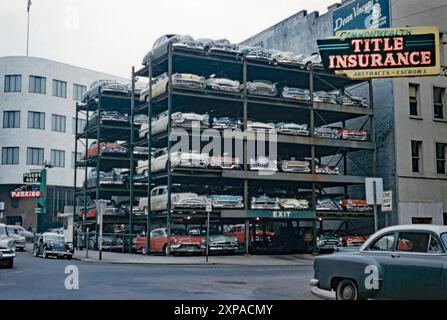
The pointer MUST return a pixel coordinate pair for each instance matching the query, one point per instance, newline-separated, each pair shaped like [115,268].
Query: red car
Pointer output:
[104,147]
[351,241]
[238,231]
[181,242]
[350,134]
[357,205]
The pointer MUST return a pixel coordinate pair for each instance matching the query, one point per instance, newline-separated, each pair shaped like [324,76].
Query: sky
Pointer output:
[113,35]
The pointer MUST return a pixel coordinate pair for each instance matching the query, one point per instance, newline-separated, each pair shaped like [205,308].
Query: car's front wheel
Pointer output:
[36,252]
[44,253]
[347,290]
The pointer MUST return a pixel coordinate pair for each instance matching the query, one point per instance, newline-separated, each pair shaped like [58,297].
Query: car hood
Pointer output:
[187,239]
[222,238]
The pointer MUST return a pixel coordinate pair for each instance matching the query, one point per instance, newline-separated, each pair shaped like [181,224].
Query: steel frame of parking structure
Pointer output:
[99,132]
[184,60]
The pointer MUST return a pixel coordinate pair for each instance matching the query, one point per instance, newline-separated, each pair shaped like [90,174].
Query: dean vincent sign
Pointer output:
[383,53]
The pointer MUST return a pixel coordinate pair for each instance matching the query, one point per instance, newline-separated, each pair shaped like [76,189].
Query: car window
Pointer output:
[154,192]
[385,243]
[413,242]
[434,246]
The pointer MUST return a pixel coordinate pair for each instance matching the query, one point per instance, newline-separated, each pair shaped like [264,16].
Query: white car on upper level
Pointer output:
[182,200]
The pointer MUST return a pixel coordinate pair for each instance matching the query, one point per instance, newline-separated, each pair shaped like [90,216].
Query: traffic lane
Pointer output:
[37,278]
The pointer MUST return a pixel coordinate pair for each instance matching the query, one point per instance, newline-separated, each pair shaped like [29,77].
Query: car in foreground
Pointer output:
[53,245]
[181,242]
[292,129]
[399,262]
[19,240]
[261,88]
[7,248]
[106,87]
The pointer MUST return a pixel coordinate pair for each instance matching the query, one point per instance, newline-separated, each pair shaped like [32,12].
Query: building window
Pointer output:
[59,88]
[81,126]
[10,155]
[57,123]
[34,156]
[414,100]
[440,158]
[36,120]
[58,158]
[438,99]
[11,119]
[78,91]
[37,84]
[13,83]
[75,157]
[416,156]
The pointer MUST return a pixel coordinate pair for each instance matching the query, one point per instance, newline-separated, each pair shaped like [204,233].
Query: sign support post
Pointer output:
[101,207]
[208,212]
[374,196]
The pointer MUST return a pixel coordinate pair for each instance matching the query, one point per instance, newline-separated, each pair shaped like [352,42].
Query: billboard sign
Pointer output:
[362,14]
[383,53]
[32,177]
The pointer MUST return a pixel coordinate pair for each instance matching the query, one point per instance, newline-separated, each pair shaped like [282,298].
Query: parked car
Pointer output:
[312,59]
[223,84]
[345,99]
[356,205]
[110,148]
[328,244]
[293,204]
[284,57]
[110,177]
[181,242]
[351,134]
[410,261]
[180,200]
[29,236]
[261,127]
[104,86]
[327,169]
[110,118]
[296,94]
[328,132]
[160,84]
[296,166]
[265,202]
[328,204]
[53,244]
[7,248]
[255,53]
[224,162]
[160,46]
[261,88]
[220,201]
[226,123]
[292,129]
[221,45]
[19,240]
[324,97]
[112,209]
[262,163]
[259,235]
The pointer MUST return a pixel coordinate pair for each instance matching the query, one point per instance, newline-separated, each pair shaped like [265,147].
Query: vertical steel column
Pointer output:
[372,122]
[245,141]
[132,164]
[86,129]
[149,176]
[98,159]
[312,156]
[75,178]
[169,177]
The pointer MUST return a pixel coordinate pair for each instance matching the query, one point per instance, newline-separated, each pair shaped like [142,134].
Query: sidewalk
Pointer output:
[239,260]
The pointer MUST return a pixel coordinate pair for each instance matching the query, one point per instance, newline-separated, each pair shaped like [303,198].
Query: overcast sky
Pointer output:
[113,35]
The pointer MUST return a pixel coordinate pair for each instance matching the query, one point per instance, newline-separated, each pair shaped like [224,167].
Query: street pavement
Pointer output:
[37,278]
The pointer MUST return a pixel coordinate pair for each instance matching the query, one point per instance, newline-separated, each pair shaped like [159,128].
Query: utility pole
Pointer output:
[27,29]
[41,202]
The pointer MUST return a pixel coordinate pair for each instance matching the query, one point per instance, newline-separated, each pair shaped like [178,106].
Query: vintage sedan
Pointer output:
[324,97]
[328,244]
[328,204]
[261,88]
[400,262]
[296,166]
[313,59]
[292,129]
[223,85]
[105,148]
[259,235]
[297,94]
[221,201]
[260,127]
[263,164]
[284,57]
[181,242]
[224,162]
[110,118]
[356,205]
[293,204]
[7,248]
[19,240]
[327,169]
[104,86]
[110,177]
[53,245]
[112,209]
[345,99]
[220,45]
[161,45]
[179,200]
[328,132]
[257,53]
[265,202]
[351,134]
[226,123]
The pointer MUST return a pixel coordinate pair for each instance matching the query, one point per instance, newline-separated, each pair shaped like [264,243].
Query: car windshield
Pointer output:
[54,237]
[12,231]
[179,232]
[3,231]
[444,239]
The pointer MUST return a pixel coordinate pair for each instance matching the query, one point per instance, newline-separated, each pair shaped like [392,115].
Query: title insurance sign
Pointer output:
[383,53]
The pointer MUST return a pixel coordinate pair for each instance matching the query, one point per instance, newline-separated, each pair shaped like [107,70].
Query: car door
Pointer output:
[155,199]
[155,164]
[158,240]
[421,259]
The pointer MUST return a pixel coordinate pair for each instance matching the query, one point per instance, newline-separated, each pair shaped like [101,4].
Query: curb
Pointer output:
[323,294]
